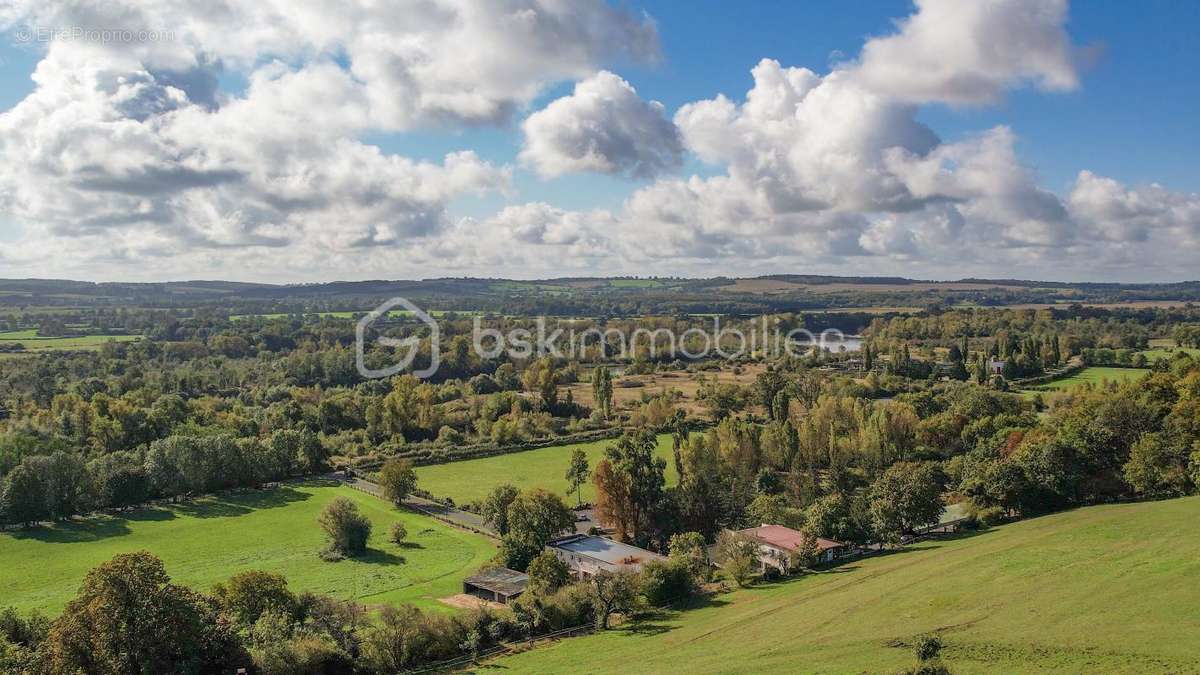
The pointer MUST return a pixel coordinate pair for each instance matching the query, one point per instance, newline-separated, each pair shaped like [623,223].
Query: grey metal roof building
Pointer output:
[498,584]
[586,554]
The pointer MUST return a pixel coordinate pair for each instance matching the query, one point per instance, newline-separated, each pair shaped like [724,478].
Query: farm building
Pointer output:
[777,543]
[586,554]
[498,584]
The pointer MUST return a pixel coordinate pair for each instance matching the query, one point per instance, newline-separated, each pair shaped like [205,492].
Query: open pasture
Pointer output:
[208,540]
[1105,589]
[471,479]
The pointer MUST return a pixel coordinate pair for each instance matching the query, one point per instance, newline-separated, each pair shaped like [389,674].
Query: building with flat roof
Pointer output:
[587,554]
[498,584]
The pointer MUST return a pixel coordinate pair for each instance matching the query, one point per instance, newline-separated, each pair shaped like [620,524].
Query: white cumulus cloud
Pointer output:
[604,127]
[959,52]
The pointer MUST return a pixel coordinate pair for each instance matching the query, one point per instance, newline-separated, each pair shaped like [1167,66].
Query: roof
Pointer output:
[786,538]
[500,580]
[605,550]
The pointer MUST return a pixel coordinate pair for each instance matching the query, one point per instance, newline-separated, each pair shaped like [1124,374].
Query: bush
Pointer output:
[398,533]
[665,582]
[927,647]
[981,517]
[347,528]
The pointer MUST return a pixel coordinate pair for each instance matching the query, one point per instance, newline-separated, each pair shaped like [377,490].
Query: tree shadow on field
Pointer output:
[644,628]
[657,621]
[240,503]
[76,532]
[94,528]
[116,523]
[374,556]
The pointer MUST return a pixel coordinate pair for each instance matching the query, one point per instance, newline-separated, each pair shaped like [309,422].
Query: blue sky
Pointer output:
[1133,115]
[1136,111]
[1131,123]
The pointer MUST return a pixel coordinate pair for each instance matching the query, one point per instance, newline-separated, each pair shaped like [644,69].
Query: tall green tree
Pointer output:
[398,479]
[630,483]
[130,619]
[23,496]
[541,377]
[613,593]
[494,507]
[602,390]
[534,518]
[907,496]
[578,472]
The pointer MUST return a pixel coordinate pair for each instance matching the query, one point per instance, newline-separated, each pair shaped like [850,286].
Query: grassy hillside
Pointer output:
[210,539]
[472,479]
[1112,589]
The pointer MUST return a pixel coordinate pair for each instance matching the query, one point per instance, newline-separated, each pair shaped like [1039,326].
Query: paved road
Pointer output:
[458,517]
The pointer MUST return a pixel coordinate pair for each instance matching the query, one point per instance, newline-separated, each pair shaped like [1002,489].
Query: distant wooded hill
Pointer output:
[587,296]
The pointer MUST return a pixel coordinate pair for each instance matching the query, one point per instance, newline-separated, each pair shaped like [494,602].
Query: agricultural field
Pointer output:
[33,342]
[1107,589]
[210,539]
[471,479]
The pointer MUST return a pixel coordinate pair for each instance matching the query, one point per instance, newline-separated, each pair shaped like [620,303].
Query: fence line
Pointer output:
[509,647]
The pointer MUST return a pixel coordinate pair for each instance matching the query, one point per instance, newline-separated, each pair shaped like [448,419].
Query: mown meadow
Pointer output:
[470,480]
[209,539]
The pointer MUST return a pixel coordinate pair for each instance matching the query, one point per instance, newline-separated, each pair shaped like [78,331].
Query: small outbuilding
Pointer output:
[498,584]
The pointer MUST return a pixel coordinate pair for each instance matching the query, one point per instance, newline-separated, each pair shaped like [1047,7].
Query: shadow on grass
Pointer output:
[374,556]
[78,532]
[645,628]
[653,622]
[95,528]
[241,503]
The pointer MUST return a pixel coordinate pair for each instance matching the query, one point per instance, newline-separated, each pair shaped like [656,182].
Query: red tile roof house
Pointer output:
[777,543]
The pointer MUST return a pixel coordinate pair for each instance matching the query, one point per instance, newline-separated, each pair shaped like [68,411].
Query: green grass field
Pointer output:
[33,342]
[212,538]
[1153,355]
[472,479]
[1106,589]
[1095,375]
